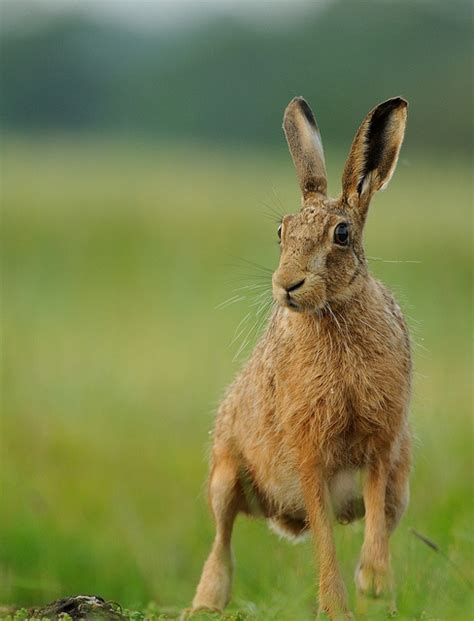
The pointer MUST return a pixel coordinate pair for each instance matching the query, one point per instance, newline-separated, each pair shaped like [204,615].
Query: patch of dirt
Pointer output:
[78,608]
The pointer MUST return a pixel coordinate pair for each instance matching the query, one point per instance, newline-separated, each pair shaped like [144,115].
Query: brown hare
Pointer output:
[325,394]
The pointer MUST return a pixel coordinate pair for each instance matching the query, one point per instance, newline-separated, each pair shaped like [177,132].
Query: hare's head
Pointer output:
[322,258]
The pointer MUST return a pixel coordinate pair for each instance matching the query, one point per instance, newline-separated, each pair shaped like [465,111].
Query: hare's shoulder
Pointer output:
[252,391]
[389,309]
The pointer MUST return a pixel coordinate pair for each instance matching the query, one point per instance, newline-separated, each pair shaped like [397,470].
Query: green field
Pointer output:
[115,354]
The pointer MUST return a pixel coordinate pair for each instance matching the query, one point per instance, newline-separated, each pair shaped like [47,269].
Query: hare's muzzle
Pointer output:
[299,291]
[286,287]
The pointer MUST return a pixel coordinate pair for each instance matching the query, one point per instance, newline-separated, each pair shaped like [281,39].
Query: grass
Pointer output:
[115,258]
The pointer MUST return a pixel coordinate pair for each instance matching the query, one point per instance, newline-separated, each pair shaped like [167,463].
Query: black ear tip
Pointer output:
[400,102]
[382,112]
[305,109]
[294,103]
[302,106]
[393,103]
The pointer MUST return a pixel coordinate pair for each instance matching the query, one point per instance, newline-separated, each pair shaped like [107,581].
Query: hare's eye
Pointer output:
[279,232]
[341,234]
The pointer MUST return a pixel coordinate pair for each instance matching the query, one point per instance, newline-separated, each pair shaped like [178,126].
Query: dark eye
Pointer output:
[341,234]
[279,232]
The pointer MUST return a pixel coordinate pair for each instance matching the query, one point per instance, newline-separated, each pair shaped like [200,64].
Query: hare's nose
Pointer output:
[294,286]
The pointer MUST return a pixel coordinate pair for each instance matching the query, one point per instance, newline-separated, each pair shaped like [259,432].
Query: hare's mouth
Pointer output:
[292,304]
[287,301]
[300,299]
[299,305]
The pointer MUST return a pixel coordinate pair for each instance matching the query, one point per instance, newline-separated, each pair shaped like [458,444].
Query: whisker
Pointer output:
[238,331]
[260,296]
[229,301]
[251,287]
[344,344]
[259,278]
[391,260]
[372,328]
[254,265]
[272,213]
[254,328]
[260,310]
[280,203]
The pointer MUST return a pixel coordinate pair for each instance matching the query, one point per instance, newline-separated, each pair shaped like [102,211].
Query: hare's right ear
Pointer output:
[304,141]
[374,153]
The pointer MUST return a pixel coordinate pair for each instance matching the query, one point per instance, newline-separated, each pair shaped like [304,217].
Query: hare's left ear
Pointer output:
[306,148]
[374,153]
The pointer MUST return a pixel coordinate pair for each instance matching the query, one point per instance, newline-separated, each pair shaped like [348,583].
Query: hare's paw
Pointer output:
[333,605]
[189,613]
[373,581]
[324,615]
[376,583]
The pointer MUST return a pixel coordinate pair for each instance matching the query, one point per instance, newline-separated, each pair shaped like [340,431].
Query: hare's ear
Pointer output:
[374,152]
[306,148]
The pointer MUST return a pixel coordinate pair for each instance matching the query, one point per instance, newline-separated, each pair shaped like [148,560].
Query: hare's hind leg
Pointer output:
[213,591]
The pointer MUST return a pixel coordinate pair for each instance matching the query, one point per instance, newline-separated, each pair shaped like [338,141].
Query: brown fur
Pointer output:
[325,394]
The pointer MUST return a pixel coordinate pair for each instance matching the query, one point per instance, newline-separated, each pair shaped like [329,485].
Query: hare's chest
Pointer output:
[344,398]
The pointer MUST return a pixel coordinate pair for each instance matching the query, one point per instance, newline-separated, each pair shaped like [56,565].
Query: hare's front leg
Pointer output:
[332,592]
[373,574]
[213,591]
[398,490]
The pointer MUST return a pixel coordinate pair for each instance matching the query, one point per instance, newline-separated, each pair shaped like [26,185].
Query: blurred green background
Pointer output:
[143,171]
